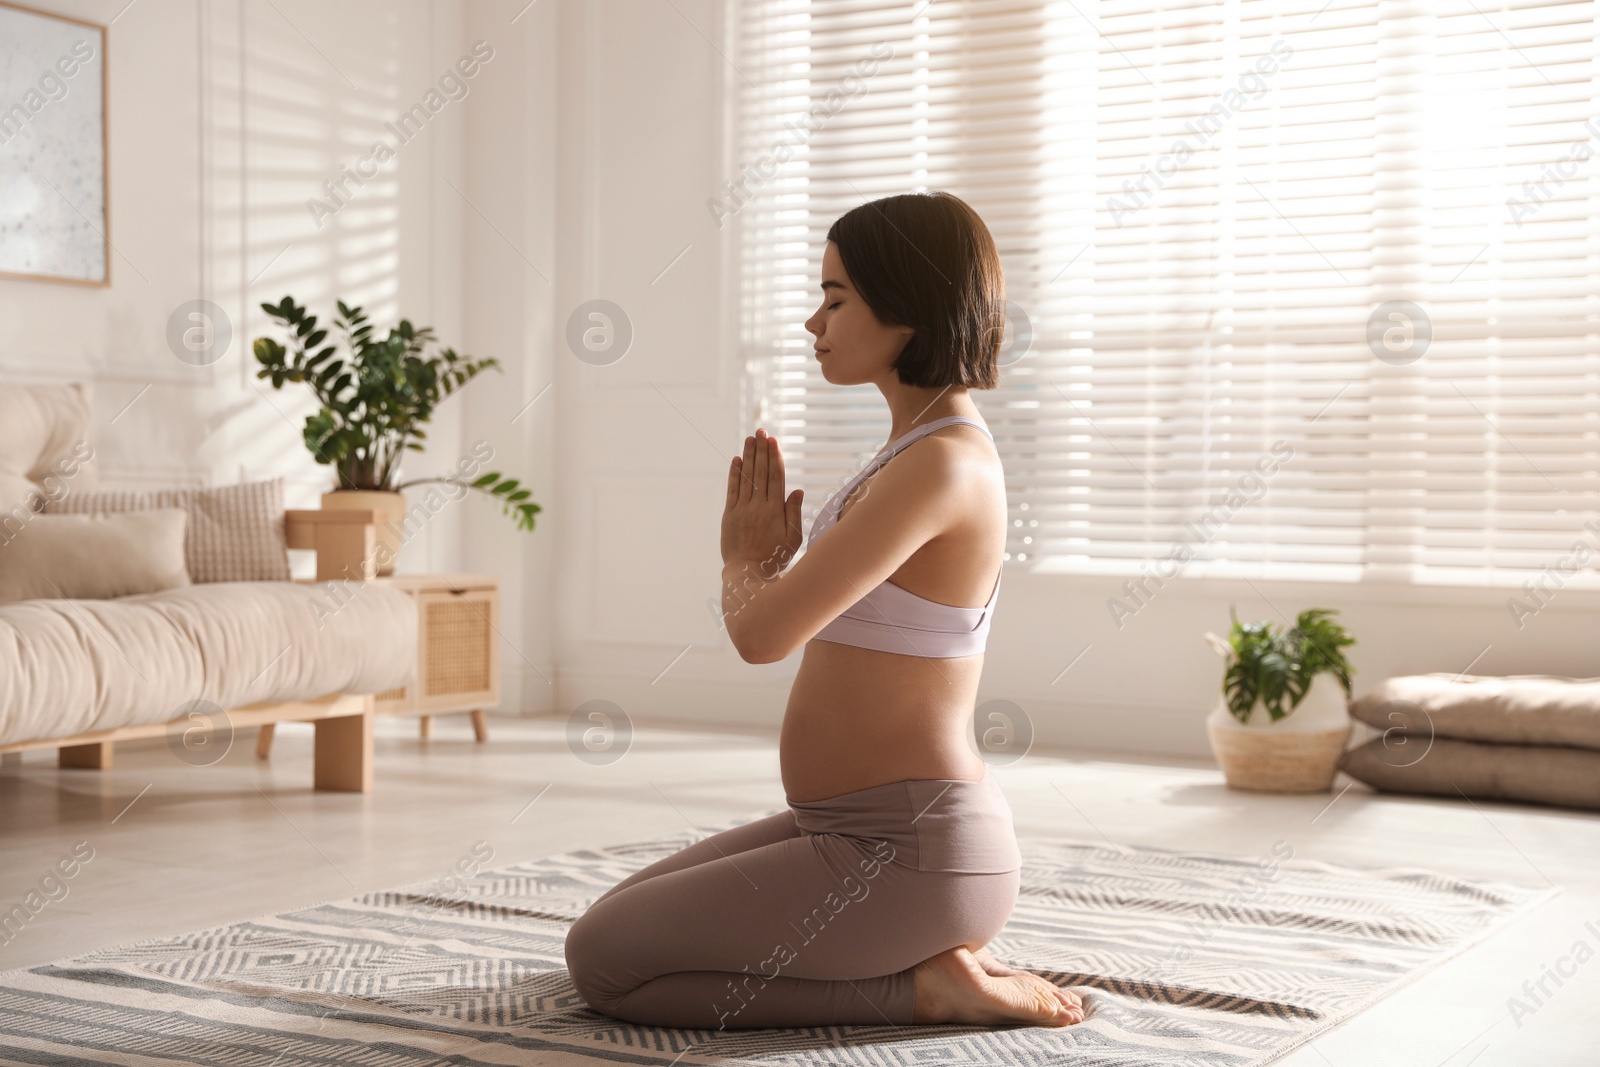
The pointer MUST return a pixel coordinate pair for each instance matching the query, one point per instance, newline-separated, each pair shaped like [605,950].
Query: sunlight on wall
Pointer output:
[321,147]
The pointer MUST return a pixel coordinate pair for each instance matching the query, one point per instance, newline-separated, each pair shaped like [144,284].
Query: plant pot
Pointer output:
[393,505]
[1297,754]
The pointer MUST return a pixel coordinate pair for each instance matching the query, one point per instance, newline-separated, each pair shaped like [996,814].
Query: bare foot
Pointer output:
[955,987]
[992,966]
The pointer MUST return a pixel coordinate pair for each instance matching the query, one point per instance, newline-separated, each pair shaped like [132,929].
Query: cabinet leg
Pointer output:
[480,725]
[425,726]
[343,754]
[93,757]
[264,740]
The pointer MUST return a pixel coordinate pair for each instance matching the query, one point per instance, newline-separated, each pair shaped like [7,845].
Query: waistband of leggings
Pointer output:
[872,795]
[927,824]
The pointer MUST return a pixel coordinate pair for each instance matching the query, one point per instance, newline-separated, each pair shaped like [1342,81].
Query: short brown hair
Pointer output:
[926,260]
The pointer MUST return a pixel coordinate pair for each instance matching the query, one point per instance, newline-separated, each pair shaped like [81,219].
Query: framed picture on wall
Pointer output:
[55,222]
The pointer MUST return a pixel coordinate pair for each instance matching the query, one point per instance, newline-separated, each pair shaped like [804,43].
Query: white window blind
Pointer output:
[1353,244]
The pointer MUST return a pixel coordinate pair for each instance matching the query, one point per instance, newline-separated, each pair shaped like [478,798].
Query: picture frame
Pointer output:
[55,211]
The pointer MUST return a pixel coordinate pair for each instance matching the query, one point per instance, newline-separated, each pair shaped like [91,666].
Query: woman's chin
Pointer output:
[833,374]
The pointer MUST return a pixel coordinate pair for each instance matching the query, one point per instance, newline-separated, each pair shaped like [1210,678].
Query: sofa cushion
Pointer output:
[70,666]
[93,557]
[236,532]
[1540,774]
[1530,709]
[44,443]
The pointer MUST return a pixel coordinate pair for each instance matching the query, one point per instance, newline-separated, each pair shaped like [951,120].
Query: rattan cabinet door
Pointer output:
[458,664]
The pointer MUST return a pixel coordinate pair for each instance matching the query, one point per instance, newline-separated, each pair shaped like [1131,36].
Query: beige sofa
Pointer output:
[80,675]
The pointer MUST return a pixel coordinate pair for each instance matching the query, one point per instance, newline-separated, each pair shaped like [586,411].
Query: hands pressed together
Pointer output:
[760,525]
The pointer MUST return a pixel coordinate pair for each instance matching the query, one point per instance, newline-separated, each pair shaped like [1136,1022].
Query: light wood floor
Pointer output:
[179,848]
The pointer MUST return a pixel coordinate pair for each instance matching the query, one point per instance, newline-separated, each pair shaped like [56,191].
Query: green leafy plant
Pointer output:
[1276,666]
[376,398]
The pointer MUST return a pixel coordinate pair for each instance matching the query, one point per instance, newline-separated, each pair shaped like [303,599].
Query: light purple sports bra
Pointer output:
[892,619]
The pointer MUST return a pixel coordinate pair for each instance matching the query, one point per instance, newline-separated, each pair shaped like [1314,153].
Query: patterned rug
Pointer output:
[1181,958]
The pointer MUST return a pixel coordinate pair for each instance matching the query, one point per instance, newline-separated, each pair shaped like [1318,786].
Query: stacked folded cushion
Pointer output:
[1529,737]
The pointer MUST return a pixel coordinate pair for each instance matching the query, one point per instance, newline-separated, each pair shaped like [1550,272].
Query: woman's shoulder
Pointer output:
[939,459]
[961,443]
[955,461]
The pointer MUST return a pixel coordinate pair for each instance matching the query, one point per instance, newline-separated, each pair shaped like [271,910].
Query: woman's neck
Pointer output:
[910,407]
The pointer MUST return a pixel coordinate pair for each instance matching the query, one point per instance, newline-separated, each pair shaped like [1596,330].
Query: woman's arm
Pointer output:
[741,584]
[770,614]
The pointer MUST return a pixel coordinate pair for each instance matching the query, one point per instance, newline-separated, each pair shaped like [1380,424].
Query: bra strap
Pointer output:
[926,428]
[889,452]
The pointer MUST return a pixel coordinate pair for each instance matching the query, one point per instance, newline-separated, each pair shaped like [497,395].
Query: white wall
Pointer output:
[510,273]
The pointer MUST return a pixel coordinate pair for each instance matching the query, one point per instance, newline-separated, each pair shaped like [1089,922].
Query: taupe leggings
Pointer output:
[814,916]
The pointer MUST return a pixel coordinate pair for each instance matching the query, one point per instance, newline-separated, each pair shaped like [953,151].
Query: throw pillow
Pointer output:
[44,445]
[94,557]
[235,532]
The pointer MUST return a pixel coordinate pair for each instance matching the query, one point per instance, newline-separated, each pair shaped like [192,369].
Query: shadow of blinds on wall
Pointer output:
[1312,287]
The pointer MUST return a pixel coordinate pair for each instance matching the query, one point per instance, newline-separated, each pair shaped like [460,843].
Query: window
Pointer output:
[1297,292]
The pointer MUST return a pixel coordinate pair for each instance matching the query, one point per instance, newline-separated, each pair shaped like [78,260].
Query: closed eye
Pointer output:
[835,304]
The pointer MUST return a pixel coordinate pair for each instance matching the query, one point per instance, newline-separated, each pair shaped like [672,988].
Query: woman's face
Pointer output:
[853,346]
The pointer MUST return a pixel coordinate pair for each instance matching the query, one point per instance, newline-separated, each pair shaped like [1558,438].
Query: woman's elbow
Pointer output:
[759,648]
[759,654]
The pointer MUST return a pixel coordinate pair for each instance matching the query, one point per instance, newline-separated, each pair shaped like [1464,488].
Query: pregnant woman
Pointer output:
[870,900]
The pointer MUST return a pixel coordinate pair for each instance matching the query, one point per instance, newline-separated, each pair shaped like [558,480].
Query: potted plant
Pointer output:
[374,402]
[1281,717]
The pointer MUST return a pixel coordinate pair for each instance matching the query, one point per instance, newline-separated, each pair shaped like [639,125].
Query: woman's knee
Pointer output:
[594,959]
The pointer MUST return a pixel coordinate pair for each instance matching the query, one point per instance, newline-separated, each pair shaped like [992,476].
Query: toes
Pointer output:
[1059,1014]
[1067,1012]
[1069,1006]
[1043,1002]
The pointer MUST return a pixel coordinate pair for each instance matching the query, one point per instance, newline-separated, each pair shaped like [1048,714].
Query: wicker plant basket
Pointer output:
[1279,761]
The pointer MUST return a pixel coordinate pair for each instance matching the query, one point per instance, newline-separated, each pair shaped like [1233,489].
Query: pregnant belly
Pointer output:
[858,718]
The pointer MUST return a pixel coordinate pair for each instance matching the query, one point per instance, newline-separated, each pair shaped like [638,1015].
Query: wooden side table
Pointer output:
[458,649]
[458,652]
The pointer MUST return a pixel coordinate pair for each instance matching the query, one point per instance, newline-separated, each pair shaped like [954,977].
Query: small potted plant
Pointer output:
[1281,718]
[374,402]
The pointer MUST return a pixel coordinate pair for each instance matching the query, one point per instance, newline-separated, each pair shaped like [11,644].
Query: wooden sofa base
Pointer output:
[95,756]
[480,728]
[342,756]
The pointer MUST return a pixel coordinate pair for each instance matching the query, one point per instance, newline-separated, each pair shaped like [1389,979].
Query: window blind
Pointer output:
[1298,290]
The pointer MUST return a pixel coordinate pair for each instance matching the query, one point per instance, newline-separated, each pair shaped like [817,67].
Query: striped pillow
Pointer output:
[234,533]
